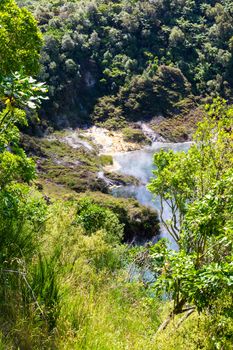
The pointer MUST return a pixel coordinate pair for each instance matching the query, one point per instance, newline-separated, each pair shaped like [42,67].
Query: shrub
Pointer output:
[139,221]
[93,217]
[134,135]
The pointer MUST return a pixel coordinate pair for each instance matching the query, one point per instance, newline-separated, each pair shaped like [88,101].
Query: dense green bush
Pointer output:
[197,186]
[140,223]
[92,217]
[134,135]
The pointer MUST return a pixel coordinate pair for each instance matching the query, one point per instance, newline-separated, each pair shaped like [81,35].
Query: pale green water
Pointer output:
[140,164]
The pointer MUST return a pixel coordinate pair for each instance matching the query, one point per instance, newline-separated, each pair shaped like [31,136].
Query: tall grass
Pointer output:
[75,294]
[100,309]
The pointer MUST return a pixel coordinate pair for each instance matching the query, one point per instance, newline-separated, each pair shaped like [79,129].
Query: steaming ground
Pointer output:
[129,159]
[140,165]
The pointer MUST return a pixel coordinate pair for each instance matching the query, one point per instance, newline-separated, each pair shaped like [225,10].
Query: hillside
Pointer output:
[132,60]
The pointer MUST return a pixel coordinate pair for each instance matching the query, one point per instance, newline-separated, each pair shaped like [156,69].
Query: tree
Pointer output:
[197,187]
[120,42]
[20,39]
[22,208]
[16,169]
[176,37]
[148,96]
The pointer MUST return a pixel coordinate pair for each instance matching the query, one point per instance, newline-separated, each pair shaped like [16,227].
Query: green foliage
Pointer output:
[22,91]
[22,209]
[138,220]
[108,114]
[103,50]
[73,168]
[148,96]
[44,276]
[16,91]
[20,39]
[106,159]
[64,275]
[134,135]
[59,264]
[92,217]
[180,128]
[93,296]
[197,186]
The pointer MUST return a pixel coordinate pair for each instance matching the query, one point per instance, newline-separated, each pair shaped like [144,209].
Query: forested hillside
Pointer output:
[132,59]
[82,266]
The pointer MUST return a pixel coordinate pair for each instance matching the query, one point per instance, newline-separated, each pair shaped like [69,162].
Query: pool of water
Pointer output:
[140,165]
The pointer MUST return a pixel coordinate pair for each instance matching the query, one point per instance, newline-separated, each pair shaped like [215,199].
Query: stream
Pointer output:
[140,165]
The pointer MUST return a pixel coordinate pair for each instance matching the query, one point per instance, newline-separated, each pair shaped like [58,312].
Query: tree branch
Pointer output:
[189,312]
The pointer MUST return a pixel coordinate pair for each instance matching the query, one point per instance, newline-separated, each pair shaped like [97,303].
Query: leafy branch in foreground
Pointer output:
[197,188]
[22,209]
[16,92]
